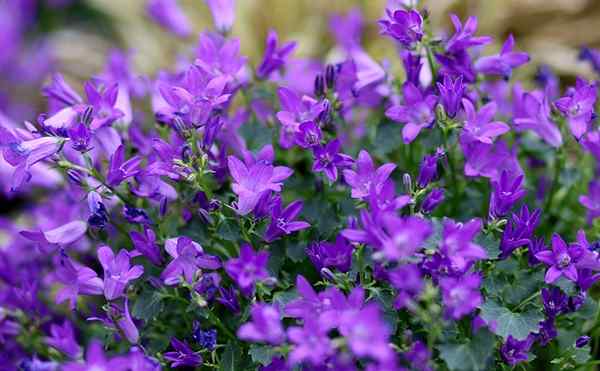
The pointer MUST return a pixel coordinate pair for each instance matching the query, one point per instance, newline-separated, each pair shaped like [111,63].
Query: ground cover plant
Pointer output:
[425,213]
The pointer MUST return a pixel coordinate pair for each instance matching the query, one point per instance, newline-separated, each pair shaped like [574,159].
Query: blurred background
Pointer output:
[79,34]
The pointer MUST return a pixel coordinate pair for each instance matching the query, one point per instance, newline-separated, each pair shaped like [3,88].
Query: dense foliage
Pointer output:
[302,215]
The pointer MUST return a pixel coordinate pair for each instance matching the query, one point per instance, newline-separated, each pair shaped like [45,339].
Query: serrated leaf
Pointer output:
[147,305]
[231,359]
[474,355]
[489,244]
[519,325]
[261,354]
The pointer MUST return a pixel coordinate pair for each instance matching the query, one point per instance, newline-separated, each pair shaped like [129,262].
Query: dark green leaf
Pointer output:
[261,354]
[229,230]
[519,325]
[475,355]
[490,244]
[147,305]
[231,359]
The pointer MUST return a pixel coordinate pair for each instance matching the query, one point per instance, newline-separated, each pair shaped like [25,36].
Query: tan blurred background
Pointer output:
[550,30]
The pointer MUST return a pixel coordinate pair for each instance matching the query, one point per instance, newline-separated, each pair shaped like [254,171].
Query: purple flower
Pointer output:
[311,343]
[76,280]
[519,231]
[265,325]
[309,135]
[63,339]
[60,94]
[464,37]
[249,268]
[64,235]
[412,67]
[98,214]
[578,107]
[457,64]
[514,351]
[432,200]
[457,244]
[547,332]
[283,221]
[505,193]
[228,297]
[366,332]
[328,159]
[223,13]
[126,325]
[117,271]
[489,160]
[479,124]
[582,341]
[347,29]
[23,154]
[405,26]
[535,116]
[103,100]
[428,168]
[408,281]
[297,111]
[366,176]
[145,244]
[461,295]
[502,64]
[591,55]
[591,201]
[331,255]
[451,92]
[80,136]
[206,338]
[252,181]
[95,359]
[170,16]
[385,199]
[419,356]
[275,57]
[119,169]
[554,301]
[416,113]
[188,258]
[561,259]
[183,355]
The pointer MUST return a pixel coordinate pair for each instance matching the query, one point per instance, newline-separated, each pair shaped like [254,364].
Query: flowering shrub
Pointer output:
[225,216]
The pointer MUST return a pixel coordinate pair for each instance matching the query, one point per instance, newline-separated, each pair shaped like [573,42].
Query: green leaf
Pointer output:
[256,134]
[475,355]
[489,244]
[231,359]
[261,354]
[433,242]
[295,251]
[229,230]
[519,325]
[387,139]
[281,298]
[147,306]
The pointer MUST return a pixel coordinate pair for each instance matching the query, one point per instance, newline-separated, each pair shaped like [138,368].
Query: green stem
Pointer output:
[527,300]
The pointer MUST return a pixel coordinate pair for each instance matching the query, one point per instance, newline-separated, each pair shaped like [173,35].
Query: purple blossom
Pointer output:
[461,295]
[63,339]
[515,351]
[561,260]
[275,57]
[223,12]
[451,92]
[432,200]
[408,281]
[405,26]
[283,221]
[519,231]
[183,355]
[464,37]
[311,343]
[296,111]
[63,235]
[582,341]
[249,268]
[479,125]
[308,135]
[95,359]
[592,56]
[265,325]
[188,259]
[416,113]
[412,67]
[578,107]
[328,159]
[119,169]
[252,181]
[76,280]
[170,16]
[347,29]
[117,271]
[505,193]
[366,332]
[145,244]
[591,201]
[457,243]
[367,176]
[337,255]
[103,100]
[535,116]
[502,64]
[554,301]
[428,168]
[24,154]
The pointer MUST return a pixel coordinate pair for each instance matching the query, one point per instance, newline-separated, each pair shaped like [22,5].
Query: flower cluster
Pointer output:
[217,215]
